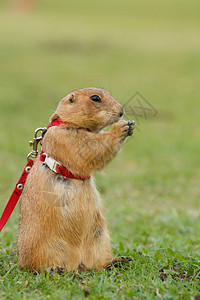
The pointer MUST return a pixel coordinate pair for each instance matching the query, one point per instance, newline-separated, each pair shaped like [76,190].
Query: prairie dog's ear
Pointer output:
[69,98]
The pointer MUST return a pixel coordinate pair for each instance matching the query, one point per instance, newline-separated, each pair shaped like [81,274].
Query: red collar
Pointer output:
[56,167]
[57,122]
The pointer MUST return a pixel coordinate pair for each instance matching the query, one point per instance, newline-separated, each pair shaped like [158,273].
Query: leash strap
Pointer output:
[15,195]
[21,182]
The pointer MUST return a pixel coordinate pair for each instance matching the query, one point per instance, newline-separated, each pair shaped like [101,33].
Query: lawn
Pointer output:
[145,51]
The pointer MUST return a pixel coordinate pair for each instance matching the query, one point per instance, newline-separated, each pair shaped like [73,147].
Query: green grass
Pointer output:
[151,190]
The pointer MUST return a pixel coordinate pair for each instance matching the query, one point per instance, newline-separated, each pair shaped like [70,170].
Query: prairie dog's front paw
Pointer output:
[124,128]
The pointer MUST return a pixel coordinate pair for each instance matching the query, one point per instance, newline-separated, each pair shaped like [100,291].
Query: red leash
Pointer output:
[15,195]
[21,182]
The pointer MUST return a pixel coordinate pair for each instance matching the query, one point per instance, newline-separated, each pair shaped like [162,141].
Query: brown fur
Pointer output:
[62,223]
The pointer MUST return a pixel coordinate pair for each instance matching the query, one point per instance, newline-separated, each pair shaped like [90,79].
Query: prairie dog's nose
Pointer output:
[121,112]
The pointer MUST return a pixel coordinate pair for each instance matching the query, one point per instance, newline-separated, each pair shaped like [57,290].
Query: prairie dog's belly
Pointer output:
[69,193]
[62,203]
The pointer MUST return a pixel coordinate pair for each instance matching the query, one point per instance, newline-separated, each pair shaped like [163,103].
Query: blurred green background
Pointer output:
[48,48]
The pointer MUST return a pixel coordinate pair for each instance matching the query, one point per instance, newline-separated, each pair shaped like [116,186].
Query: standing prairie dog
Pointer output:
[61,219]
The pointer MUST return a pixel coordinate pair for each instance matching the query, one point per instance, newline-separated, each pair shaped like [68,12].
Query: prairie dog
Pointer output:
[61,219]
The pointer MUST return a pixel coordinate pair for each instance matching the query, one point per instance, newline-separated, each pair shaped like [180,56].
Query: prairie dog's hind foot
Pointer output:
[118,261]
[61,270]
[58,270]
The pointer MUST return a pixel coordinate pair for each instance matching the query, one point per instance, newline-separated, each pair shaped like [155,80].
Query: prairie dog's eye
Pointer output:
[95,98]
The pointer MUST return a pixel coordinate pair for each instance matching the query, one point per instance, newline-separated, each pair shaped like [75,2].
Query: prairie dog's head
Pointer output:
[91,108]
